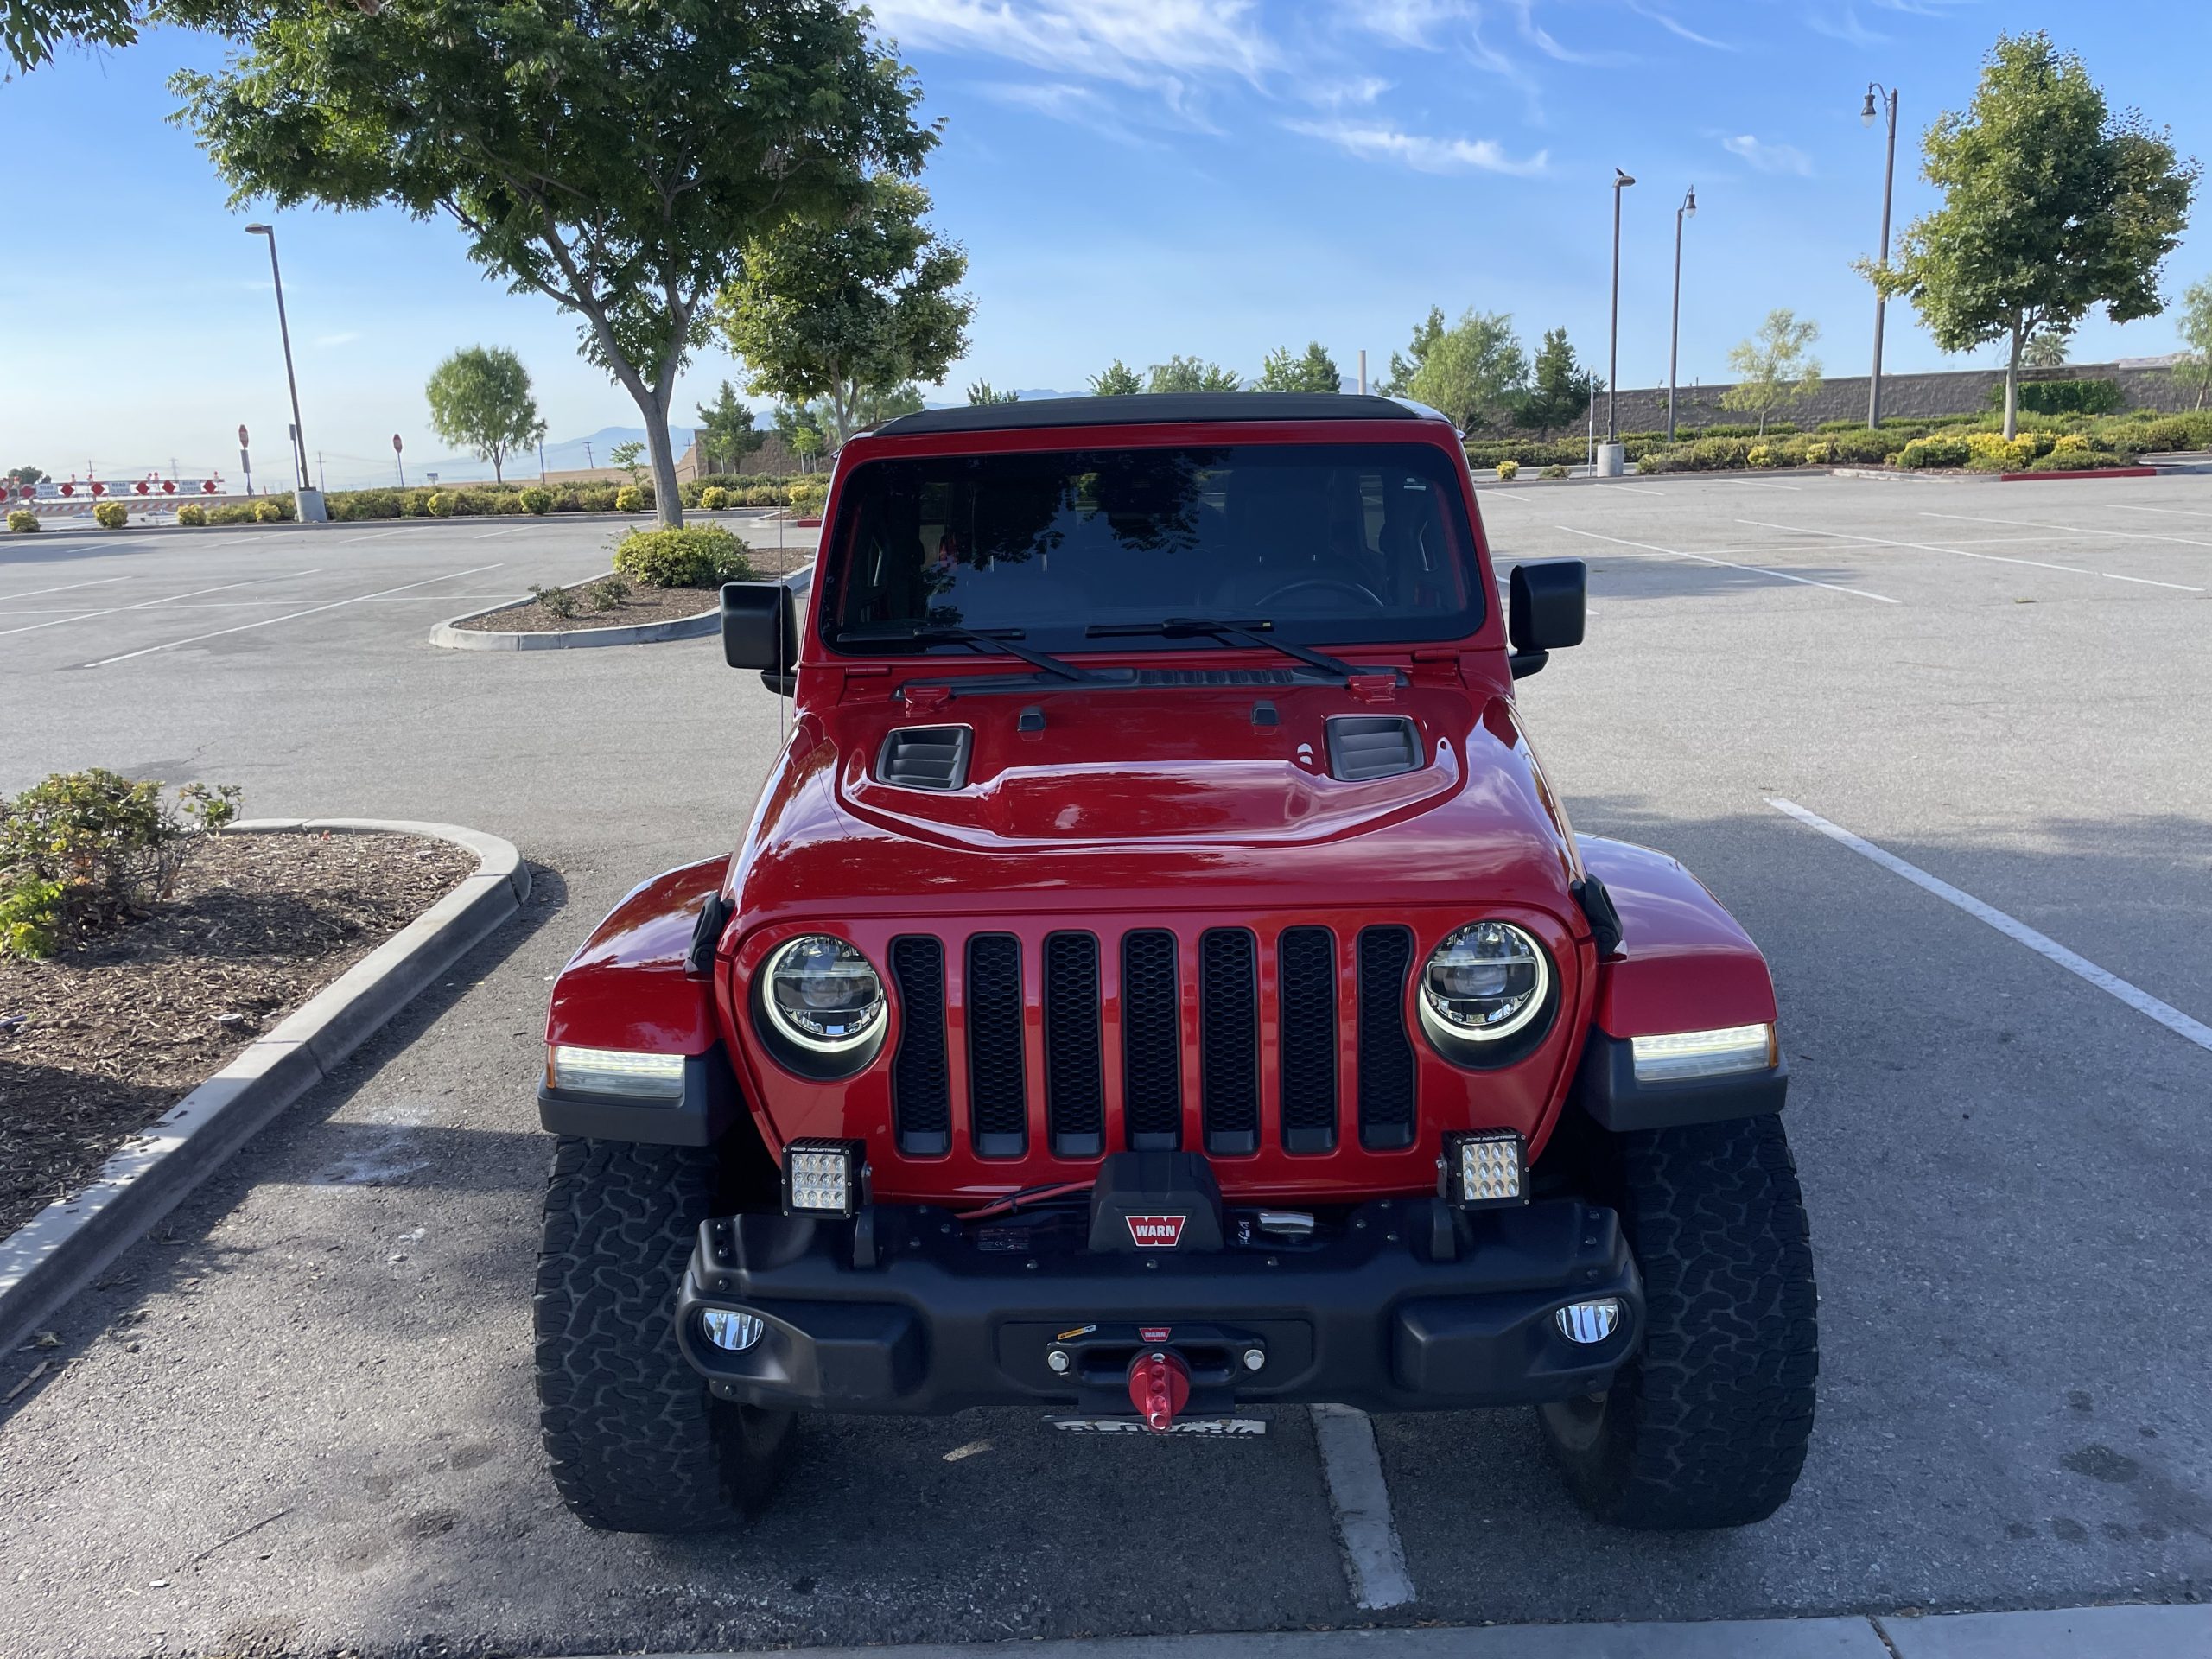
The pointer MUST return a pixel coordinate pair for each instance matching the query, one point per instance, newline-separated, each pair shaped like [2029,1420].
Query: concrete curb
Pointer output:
[51,1256]
[2081,471]
[1897,473]
[455,637]
[2126,1632]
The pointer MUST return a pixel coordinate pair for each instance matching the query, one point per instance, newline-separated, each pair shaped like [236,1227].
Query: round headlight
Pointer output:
[1485,982]
[823,994]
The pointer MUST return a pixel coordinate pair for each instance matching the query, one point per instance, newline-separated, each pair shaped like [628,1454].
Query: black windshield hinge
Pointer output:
[1598,905]
[707,936]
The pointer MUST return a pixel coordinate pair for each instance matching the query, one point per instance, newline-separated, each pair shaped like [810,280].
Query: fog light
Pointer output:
[1484,1167]
[1684,1054]
[731,1330]
[822,1177]
[1589,1322]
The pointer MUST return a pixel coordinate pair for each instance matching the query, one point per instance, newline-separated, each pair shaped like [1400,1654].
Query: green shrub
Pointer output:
[111,515]
[2061,397]
[713,499]
[266,512]
[538,500]
[438,503]
[1554,471]
[1936,449]
[1760,454]
[608,592]
[630,498]
[89,850]
[807,496]
[231,512]
[21,521]
[1508,470]
[192,513]
[697,556]
[2076,460]
[555,601]
[596,497]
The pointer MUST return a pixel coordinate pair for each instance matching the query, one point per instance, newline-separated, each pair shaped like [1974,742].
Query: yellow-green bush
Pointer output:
[88,850]
[266,512]
[1760,454]
[1819,453]
[713,498]
[1555,470]
[22,520]
[438,504]
[807,495]
[629,499]
[697,556]
[192,513]
[2070,444]
[1508,469]
[111,515]
[538,500]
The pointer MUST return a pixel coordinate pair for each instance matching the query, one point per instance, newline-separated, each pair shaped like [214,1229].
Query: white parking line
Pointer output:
[1757,569]
[373,535]
[65,586]
[487,535]
[1631,489]
[1991,558]
[1374,1560]
[2077,529]
[2178,512]
[147,604]
[2112,984]
[74,616]
[271,621]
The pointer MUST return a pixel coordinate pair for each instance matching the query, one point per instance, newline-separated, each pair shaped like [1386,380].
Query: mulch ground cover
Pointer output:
[641,605]
[98,1042]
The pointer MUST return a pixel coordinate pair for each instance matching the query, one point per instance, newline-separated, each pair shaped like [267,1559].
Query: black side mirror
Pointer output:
[761,629]
[1544,610]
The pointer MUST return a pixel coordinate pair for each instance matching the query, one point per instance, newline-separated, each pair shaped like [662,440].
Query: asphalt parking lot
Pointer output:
[299,1416]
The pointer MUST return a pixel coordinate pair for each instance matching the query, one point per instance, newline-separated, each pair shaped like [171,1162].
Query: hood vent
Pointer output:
[1361,746]
[925,757]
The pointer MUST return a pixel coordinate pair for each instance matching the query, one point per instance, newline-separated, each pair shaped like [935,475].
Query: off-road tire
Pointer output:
[1708,1426]
[637,1443]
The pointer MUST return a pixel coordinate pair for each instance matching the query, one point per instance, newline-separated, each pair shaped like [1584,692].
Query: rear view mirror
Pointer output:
[1544,611]
[761,629]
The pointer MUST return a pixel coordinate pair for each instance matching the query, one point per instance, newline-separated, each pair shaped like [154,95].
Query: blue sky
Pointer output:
[1131,178]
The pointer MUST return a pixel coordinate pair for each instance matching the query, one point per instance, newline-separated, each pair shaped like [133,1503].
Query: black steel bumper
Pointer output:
[1400,1306]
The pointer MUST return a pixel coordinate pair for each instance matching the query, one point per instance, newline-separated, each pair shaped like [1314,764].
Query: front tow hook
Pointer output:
[1160,1386]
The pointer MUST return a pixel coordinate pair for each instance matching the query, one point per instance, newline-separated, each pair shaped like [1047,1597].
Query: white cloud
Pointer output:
[1839,22]
[1334,94]
[1410,22]
[1423,154]
[1673,27]
[1769,158]
[1538,36]
[1079,106]
[346,339]
[1130,41]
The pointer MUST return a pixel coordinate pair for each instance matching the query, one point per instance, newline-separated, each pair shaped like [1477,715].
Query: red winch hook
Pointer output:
[1160,1386]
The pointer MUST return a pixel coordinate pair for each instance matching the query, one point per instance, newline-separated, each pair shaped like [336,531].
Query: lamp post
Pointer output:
[283,328]
[1621,182]
[1686,211]
[1889,95]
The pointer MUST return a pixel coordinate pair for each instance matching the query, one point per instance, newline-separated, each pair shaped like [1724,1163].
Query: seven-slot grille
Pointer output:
[1166,994]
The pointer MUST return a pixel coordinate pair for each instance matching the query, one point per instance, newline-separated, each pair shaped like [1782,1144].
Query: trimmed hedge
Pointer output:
[697,556]
[111,515]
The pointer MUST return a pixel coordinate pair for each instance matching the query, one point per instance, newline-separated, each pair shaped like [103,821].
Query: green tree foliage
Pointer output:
[1773,367]
[2197,334]
[727,434]
[984,392]
[597,154]
[1475,372]
[625,456]
[1117,379]
[30,29]
[1558,391]
[1192,374]
[481,399]
[1397,383]
[848,307]
[1315,370]
[876,405]
[26,475]
[2047,348]
[2052,205]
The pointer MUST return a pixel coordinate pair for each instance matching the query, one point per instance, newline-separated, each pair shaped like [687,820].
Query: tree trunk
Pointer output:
[498,477]
[2013,387]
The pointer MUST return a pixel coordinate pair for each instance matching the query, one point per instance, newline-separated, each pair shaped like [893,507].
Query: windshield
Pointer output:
[1342,544]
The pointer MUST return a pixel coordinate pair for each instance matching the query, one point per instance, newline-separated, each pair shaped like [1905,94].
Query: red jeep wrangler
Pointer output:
[1158,980]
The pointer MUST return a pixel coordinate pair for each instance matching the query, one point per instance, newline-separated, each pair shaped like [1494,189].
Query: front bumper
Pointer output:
[1399,1306]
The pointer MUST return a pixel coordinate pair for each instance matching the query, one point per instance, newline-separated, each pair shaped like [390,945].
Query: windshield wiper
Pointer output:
[1250,630]
[933,633]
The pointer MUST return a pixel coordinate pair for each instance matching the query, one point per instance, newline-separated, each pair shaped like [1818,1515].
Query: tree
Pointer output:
[1403,369]
[2052,205]
[984,392]
[2046,349]
[603,155]
[727,434]
[1117,379]
[806,443]
[625,455]
[876,405]
[1774,366]
[848,307]
[30,29]
[481,399]
[1474,373]
[2197,334]
[1560,390]
[1315,372]
[1192,374]
[20,475]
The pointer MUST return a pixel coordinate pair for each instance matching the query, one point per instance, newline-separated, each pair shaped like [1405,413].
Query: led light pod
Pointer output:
[1485,1168]
[822,1177]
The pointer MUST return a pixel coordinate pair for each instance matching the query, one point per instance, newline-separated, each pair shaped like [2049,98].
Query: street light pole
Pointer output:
[1888,179]
[1687,210]
[284,328]
[1621,182]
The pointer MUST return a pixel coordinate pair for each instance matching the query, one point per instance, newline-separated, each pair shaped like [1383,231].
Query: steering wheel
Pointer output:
[1352,588]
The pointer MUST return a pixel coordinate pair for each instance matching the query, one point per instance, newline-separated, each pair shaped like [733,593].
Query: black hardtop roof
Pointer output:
[1153,409]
